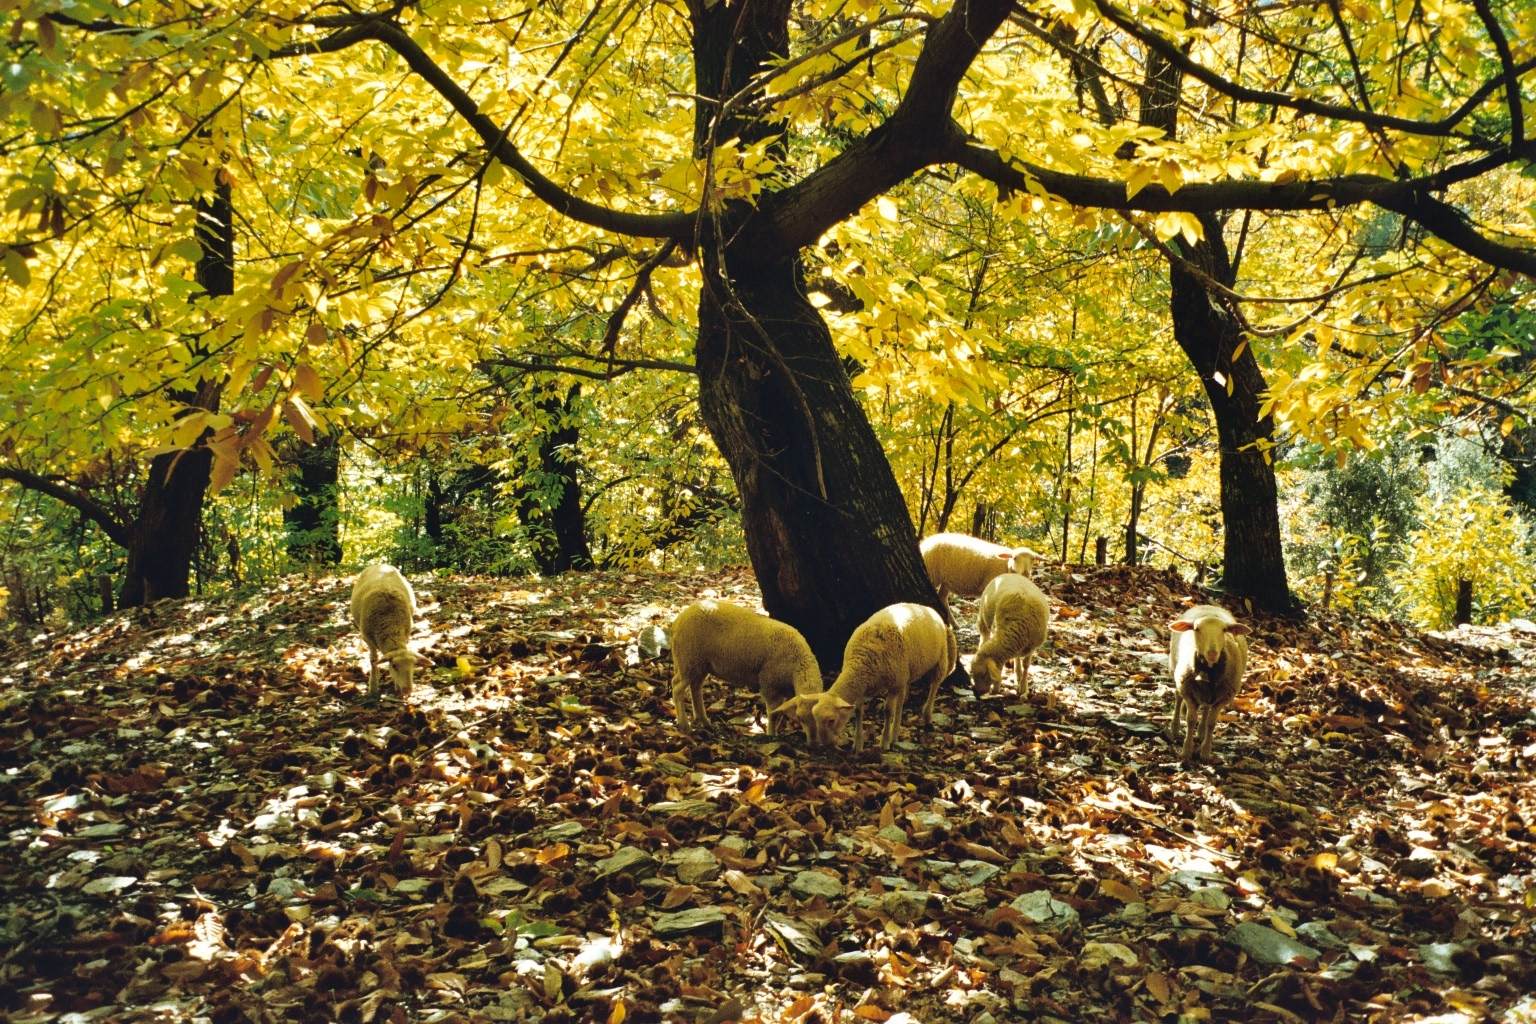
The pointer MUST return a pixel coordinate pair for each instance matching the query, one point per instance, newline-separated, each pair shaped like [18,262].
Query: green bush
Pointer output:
[1474,535]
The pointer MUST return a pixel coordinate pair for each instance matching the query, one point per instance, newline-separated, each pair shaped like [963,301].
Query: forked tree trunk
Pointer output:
[166,531]
[1253,562]
[826,525]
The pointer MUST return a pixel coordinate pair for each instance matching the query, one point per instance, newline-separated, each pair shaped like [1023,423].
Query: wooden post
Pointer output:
[1200,570]
[1327,590]
[1100,550]
[1463,603]
[104,588]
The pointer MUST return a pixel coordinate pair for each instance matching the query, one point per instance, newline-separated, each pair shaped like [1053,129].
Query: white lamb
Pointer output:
[742,648]
[1207,654]
[383,607]
[964,565]
[1014,616]
[894,649]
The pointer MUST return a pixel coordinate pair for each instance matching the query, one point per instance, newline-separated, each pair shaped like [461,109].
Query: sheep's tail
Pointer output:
[1014,637]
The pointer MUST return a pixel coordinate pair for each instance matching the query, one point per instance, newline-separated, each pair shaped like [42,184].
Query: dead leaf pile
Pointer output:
[206,818]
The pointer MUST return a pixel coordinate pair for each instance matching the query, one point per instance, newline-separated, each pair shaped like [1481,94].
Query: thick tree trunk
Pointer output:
[313,524]
[166,530]
[1253,564]
[826,525]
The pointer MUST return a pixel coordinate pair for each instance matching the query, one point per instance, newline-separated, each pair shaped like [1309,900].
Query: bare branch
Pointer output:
[96,513]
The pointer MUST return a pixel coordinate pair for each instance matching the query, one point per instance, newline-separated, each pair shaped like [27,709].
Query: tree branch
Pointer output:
[1173,55]
[110,525]
[915,136]
[643,225]
[1409,198]
[548,365]
[642,282]
[1511,72]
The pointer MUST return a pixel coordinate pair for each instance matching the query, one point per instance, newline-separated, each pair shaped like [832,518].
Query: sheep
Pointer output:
[895,648]
[963,565]
[1014,616]
[743,648]
[383,607]
[1207,655]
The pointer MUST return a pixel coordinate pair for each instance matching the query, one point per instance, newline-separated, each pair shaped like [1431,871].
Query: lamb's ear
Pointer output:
[1181,625]
[789,707]
[1238,629]
[840,702]
[1004,555]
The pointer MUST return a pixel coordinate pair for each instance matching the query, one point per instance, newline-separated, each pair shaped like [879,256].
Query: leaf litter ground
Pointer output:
[207,819]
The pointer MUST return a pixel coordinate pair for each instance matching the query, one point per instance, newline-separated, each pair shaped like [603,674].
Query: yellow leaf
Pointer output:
[222,474]
[1157,985]
[754,794]
[308,381]
[298,416]
[315,334]
[887,209]
[550,854]
[1120,890]
[1171,175]
[617,1014]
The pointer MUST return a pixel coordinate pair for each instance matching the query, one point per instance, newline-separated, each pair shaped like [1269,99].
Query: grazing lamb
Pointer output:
[1014,617]
[383,607]
[740,647]
[1208,655]
[963,565]
[894,649]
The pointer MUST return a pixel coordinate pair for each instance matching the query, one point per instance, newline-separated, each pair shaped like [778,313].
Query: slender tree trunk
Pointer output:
[826,525]
[559,457]
[1253,562]
[170,520]
[559,531]
[313,524]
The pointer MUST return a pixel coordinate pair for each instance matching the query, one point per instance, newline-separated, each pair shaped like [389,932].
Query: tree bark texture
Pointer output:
[313,524]
[826,524]
[1253,562]
[166,530]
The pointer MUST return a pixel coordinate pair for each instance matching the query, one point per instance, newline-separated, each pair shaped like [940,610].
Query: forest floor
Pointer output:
[206,818]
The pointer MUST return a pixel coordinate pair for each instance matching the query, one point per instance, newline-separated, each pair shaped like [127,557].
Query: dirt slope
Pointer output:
[206,818]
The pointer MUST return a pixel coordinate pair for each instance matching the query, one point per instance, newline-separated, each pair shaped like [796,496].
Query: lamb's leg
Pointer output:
[949,616]
[858,728]
[373,670]
[701,715]
[894,704]
[1021,669]
[1207,728]
[1189,736]
[1173,726]
[684,695]
[933,679]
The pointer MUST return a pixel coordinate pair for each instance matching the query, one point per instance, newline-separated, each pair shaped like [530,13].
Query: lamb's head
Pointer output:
[1210,633]
[986,674]
[1020,560]
[402,666]
[802,709]
[830,715]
